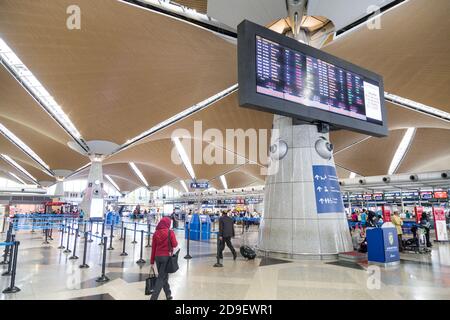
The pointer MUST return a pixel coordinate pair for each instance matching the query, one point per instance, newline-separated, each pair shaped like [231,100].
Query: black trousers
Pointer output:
[162,282]
[225,240]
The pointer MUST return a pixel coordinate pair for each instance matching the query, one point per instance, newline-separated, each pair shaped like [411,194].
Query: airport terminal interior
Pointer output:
[299,150]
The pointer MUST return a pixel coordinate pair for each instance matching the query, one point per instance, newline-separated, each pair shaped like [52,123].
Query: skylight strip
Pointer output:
[224,182]
[18,167]
[27,150]
[26,78]
[112,182]
[352,175]
[17,177]
[184,185]
[180,116]
[184,157]
[417,106]
[139,173]
[401,150]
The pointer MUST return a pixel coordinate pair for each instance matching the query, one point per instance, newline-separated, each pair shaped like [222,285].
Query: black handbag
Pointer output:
[172,263]
[150,282]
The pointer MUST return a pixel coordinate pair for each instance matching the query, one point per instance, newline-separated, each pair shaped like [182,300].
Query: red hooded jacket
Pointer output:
[160,244]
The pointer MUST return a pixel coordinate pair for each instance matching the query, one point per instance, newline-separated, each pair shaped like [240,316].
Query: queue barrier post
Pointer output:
[111,237]
[90,232]
[121,232]
[73,222]
[62,238]
[103,233]
[6,251]
[96,227]
[188,256]
[12,286]
[218,264]
[141,260]
[11,259]
[148,235]
[68,241]
[74,257]
[46,235]
[103,277]
[84,265]
[124,243]
[134,239]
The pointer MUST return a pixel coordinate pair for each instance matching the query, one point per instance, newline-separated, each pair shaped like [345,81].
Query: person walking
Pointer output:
[161,251]
[226,232]
[398,222]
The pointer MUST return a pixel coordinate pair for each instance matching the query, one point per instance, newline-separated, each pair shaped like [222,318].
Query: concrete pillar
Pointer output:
[292,226]
[94,188]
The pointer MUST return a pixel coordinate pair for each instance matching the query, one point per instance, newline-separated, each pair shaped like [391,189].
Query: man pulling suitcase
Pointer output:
[226,232]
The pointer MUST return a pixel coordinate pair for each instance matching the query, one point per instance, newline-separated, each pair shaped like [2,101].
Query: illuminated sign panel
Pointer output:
[280,75]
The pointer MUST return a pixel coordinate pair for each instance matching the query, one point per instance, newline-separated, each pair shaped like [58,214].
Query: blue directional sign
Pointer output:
[199,185]
[327,190]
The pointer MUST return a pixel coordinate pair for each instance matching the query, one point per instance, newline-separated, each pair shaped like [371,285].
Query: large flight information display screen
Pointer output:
[280,75]
[288,74]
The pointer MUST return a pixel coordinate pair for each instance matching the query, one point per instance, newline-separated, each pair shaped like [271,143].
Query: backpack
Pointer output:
[247,252]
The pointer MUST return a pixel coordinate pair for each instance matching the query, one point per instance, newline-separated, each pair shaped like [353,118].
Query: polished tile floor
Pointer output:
[45,272]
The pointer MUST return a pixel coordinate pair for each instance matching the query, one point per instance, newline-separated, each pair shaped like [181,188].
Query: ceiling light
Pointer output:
[112,182]
[401,150]
[139,173]
[352,175]
[179,116]
[224,182]
[184,157]
[27,150]
[14,65]
[17,178]
[417,106]
[18,167]
[184,185]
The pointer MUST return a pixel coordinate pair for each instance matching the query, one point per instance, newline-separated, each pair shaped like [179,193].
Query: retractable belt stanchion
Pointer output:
[124,242]
[90,232]
[78,225]
[218,264]
[142,248]
[65,223]
[74,257]
[68,241]
[96,227]
[134,239]
[111,237]
[103,277]
[46,235]
[73,222]
[103,233]
[11,255]
[188,256]
[121,232]
[6,251]
[12,286]
[50,235]
[148,236]
[62,238]
[32,225]
[84,265]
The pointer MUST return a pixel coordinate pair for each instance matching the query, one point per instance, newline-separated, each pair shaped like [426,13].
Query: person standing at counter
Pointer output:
[398,222]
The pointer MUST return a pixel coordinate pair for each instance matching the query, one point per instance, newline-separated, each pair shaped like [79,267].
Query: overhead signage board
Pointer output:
[280,75]
[440,195]
[327,190]
[199,185]
[426,195]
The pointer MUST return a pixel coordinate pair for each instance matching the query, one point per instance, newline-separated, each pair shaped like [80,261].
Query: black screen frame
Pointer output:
[250,98]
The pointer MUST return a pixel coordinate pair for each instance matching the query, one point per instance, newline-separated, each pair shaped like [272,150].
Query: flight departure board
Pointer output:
[283,76]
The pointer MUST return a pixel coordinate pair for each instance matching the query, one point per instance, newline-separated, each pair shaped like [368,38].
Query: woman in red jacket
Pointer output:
[161,250]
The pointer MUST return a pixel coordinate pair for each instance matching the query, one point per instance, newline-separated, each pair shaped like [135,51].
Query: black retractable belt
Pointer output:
[142,248]
[103,277]
[84,265]
[11,257]
[74,257]
[12,287]
[134,240]
[62,237]
[188,256]
[68,241]
[124,242]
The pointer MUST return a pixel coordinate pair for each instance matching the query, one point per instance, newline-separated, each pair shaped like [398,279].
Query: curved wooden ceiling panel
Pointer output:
[124,71]
[409,50]
[429,151]
[371,157]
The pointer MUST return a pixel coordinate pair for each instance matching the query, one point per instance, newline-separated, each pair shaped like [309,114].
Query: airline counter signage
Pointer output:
[439,224]
[418,211]
[199,185]
[386,213]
